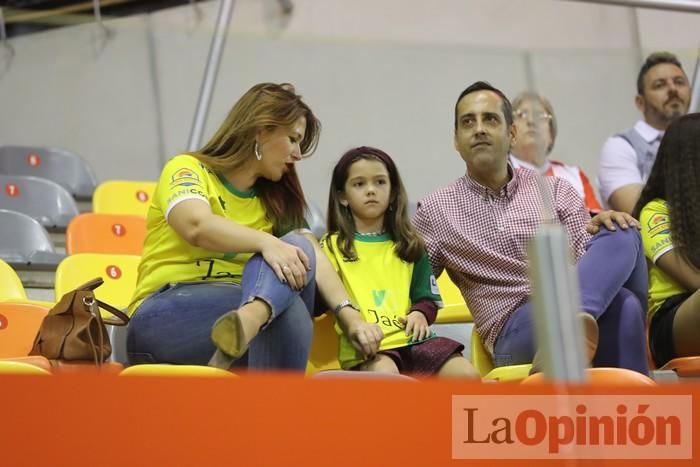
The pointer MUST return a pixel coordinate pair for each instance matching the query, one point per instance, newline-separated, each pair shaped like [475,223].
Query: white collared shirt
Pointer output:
[618,161]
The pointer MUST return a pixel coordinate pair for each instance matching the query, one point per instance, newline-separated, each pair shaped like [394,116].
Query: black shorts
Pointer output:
[661,330]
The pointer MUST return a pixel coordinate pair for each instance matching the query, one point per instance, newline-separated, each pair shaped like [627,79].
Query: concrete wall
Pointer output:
[382,73]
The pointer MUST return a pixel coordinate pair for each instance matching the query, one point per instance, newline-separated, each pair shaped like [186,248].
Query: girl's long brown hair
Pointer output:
[675,178]
[265,106]
[409,245]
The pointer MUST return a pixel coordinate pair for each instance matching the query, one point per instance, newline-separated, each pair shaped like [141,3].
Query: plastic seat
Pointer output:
[19,324]
[324,346]
[21,368]
[11,287]
[106,233]
[44,200]
[198,371]
[123,197]
[330,374]
[484,365]
[603,376]
[59,165]
[323,358]
[684,367]
[118,271]
[24,241]
[454,308]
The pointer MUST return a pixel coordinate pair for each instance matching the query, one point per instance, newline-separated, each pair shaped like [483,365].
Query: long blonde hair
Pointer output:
[265,106]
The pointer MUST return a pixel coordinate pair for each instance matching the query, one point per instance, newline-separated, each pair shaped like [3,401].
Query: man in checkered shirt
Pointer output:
[478,227]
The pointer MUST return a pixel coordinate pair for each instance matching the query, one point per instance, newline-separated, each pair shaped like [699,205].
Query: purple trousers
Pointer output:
[613,281]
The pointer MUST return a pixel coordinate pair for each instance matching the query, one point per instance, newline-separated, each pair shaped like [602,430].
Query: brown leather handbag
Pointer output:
[74,328]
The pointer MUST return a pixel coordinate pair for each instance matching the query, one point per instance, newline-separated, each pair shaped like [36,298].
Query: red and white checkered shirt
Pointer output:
[480,237]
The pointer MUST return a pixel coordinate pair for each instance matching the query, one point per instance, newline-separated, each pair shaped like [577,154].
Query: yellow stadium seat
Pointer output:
[118,271]
[484,365]
[11,287]
[324,346]
[19,368]
[106,233]
[176,370]
[454,309]
[123,197]
[12,290]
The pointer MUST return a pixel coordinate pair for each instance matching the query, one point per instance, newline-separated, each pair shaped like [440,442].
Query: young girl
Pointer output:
[384,266]
[668,212]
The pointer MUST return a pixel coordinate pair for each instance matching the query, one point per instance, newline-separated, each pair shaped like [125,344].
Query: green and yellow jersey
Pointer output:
[656,239]
[167,257]
[382,285]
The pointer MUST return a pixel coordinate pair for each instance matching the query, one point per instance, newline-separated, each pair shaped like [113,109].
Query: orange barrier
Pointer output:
[258,419]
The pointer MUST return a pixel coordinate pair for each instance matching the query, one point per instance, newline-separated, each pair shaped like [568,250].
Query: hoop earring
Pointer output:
[258,156]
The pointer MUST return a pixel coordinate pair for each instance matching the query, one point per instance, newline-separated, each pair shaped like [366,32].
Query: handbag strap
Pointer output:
[91,286]
[124,319]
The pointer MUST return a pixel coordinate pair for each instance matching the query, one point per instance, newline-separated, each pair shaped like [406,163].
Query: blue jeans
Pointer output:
[173,325]
[613,282]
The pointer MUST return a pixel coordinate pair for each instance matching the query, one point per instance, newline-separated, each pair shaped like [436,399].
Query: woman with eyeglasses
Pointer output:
[536,128]
[228,270]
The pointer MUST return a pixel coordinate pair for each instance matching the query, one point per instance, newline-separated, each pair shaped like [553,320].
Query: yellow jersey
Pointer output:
[656,239]
[167,257]
[382,285]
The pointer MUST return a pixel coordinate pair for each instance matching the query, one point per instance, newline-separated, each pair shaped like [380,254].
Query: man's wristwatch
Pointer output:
[342,305]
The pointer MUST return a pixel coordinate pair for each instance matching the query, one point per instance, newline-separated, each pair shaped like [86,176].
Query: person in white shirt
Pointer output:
[663,95]
[533,115]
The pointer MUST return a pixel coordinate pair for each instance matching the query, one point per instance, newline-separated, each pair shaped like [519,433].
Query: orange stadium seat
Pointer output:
[19,324]
[606,376]
[106,233]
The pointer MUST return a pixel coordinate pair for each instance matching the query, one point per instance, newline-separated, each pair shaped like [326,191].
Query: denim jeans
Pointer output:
[613,281]
[173,325]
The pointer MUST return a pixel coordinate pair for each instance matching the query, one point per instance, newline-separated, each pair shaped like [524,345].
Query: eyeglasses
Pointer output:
[539,117]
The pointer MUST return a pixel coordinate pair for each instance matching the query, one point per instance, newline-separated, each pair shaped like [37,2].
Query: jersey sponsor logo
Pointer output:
[658,224]
[660,245]
[186,192]
[184,177]
[378,296]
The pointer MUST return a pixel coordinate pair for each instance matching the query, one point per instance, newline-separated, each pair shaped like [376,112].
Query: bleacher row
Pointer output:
[60,228]
[40,216]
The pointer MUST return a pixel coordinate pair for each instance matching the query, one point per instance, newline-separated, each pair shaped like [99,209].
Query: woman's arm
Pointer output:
[194,221]
[364,337]
[679,269]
